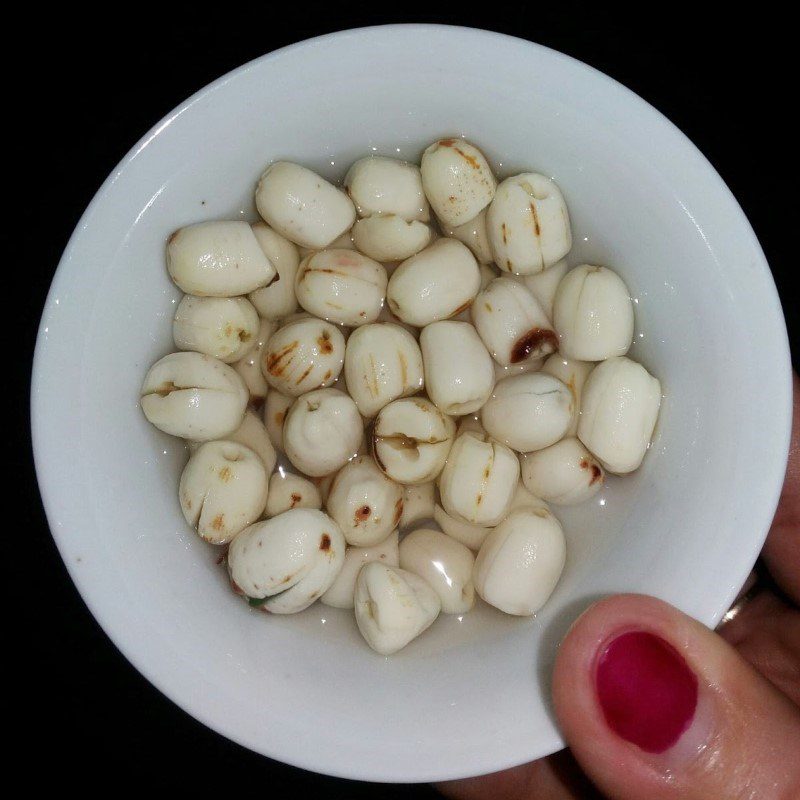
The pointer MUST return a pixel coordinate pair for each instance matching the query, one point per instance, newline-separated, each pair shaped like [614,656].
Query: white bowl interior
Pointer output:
[470,696]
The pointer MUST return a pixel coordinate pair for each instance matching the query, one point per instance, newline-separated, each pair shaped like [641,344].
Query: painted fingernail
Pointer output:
[646,690]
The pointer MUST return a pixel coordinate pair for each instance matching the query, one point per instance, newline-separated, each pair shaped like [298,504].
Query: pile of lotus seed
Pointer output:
[448,377]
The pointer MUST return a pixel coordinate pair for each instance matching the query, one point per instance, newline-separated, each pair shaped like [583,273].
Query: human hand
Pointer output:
[656,706]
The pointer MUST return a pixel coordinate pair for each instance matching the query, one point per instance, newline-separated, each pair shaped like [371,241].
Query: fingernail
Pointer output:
[646,690]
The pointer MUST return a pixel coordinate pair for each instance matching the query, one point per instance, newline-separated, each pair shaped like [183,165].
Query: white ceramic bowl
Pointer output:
[470,696]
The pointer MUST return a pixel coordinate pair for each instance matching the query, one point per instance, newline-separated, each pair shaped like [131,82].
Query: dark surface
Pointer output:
[107,85]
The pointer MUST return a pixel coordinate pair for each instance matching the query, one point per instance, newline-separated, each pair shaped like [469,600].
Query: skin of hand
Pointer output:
[700,715]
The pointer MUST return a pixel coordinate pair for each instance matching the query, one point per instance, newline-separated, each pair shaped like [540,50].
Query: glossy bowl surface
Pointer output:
[470,696]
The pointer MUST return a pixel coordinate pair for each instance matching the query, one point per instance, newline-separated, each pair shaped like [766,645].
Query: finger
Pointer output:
[655,705]
[766,633]
[557,777]
[782,548]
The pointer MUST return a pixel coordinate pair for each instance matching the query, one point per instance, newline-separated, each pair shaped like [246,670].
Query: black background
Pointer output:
[86,89]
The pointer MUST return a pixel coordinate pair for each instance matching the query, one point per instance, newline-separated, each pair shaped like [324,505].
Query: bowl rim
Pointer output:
[50,485]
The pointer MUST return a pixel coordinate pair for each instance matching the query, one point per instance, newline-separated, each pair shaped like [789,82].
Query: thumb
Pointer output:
[655,705]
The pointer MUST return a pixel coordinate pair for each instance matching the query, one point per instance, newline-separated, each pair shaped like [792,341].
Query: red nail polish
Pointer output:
[646,690]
